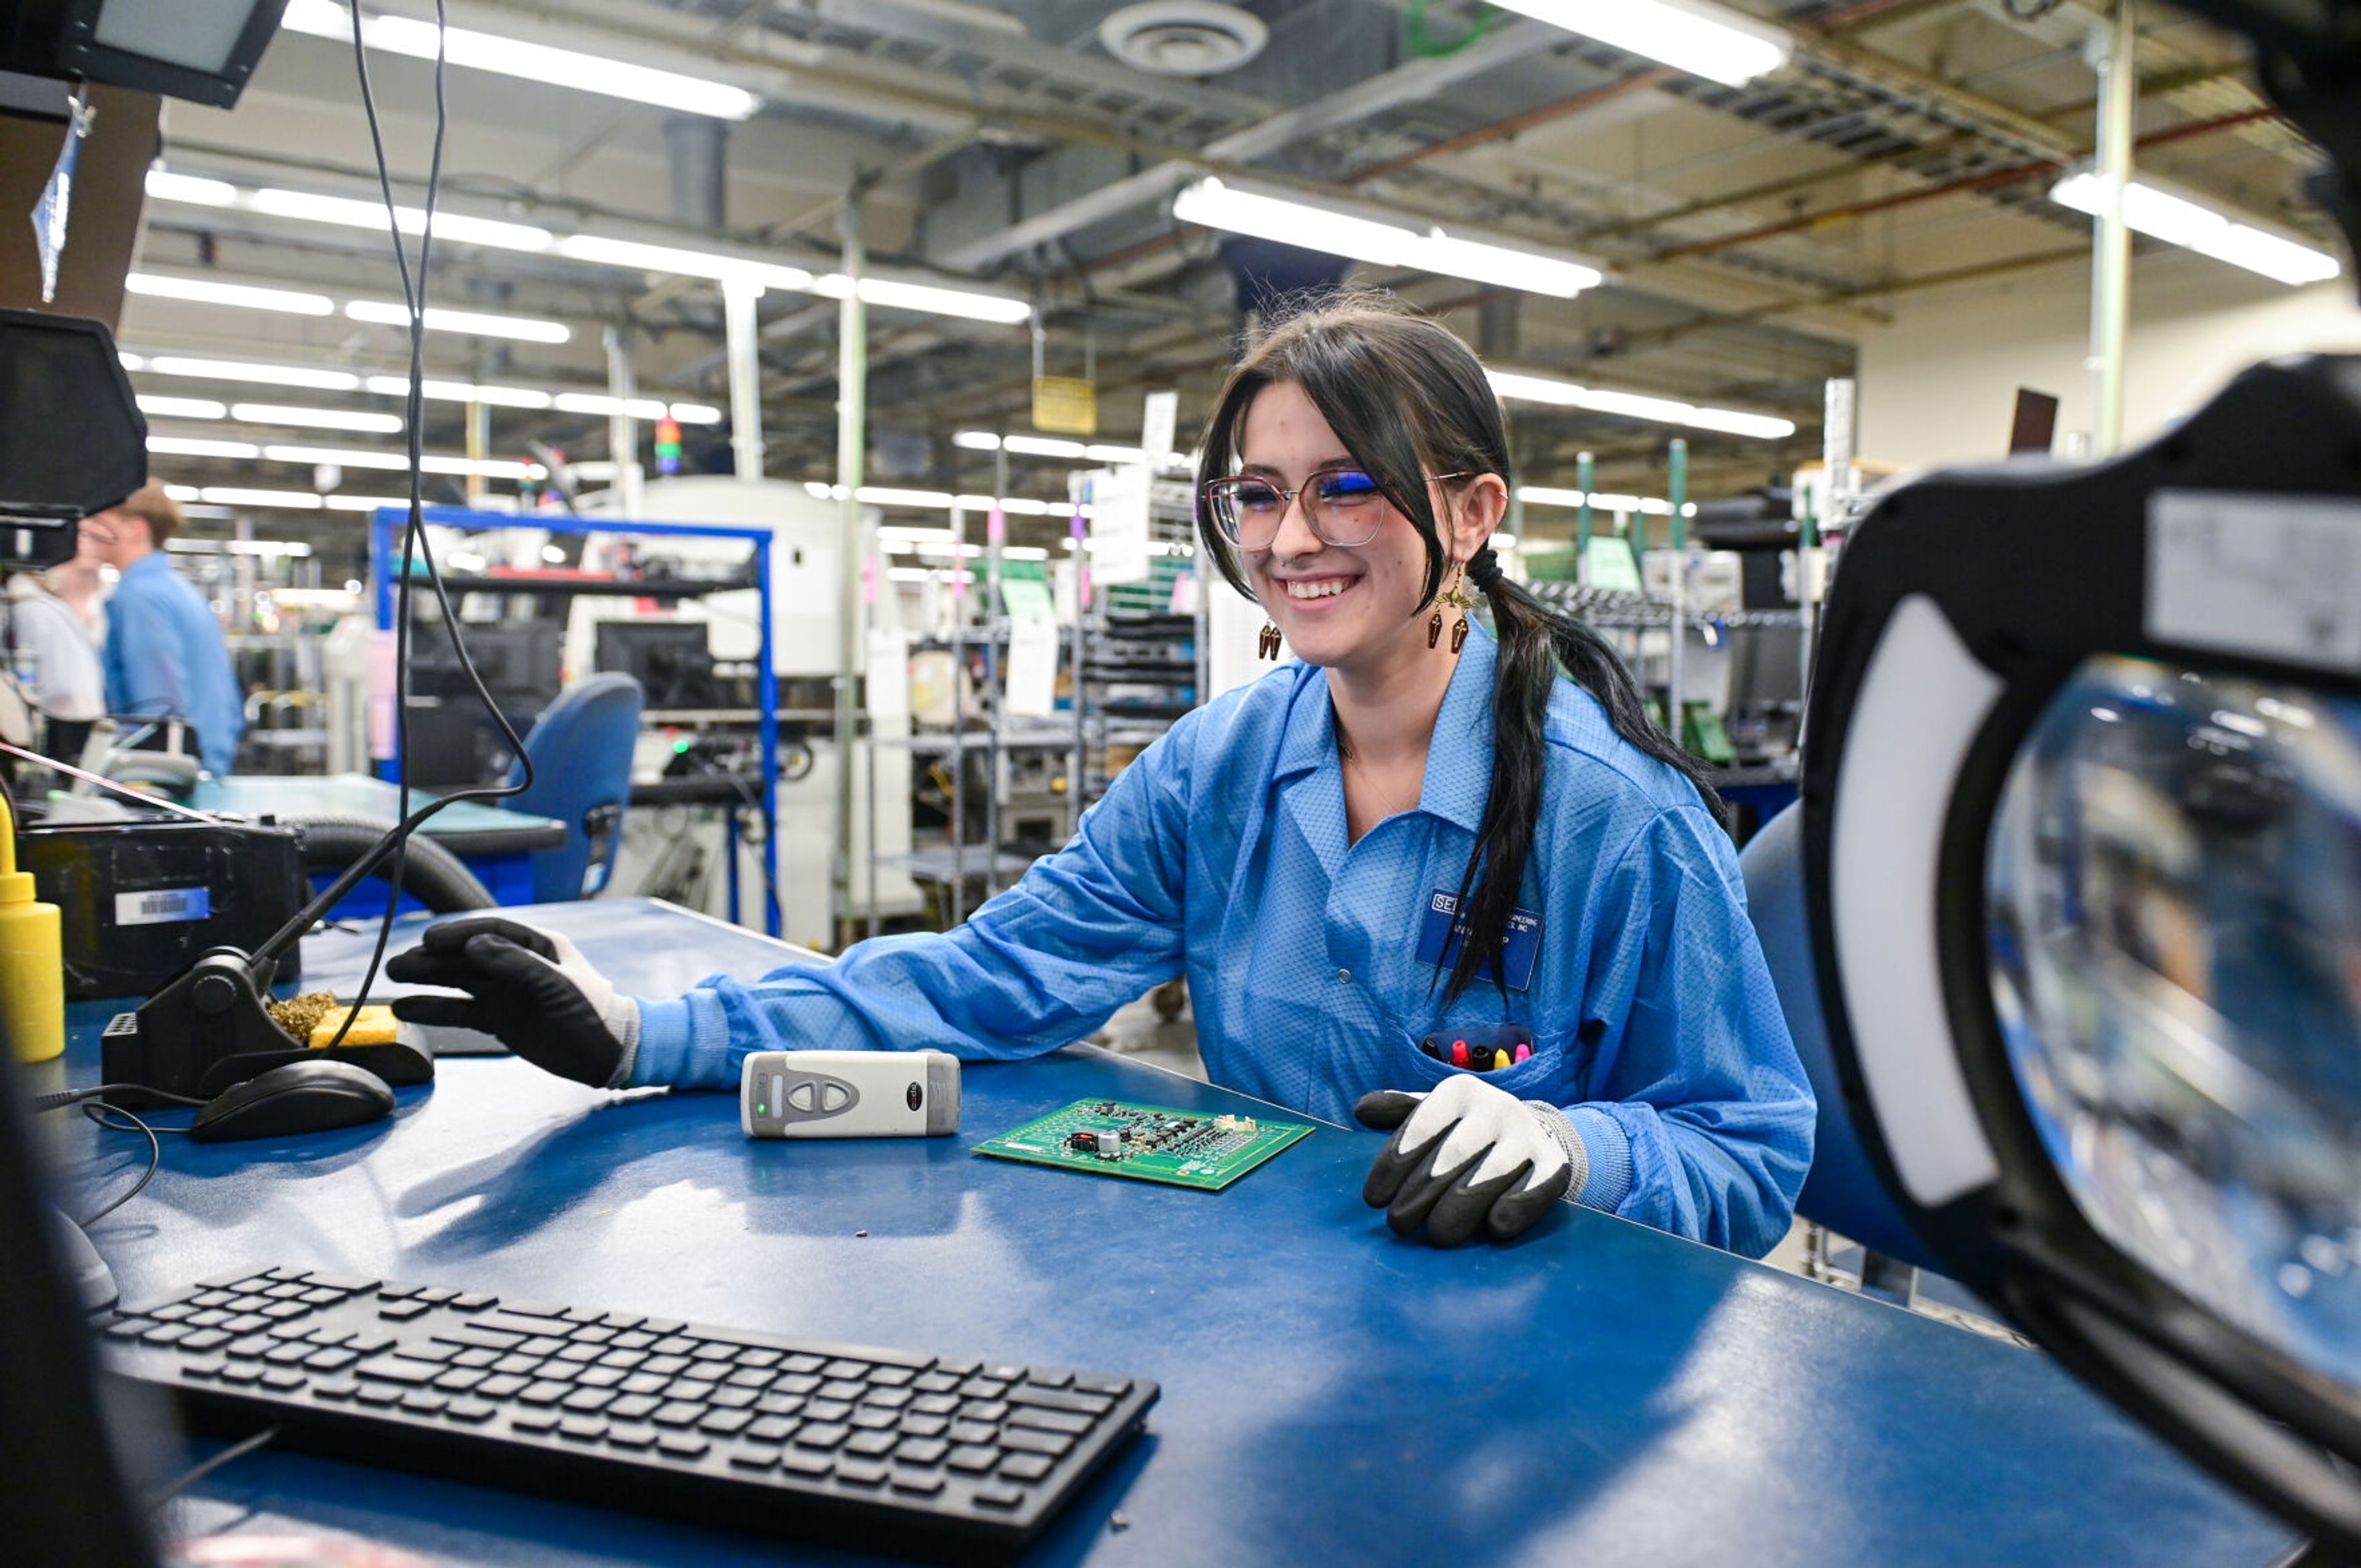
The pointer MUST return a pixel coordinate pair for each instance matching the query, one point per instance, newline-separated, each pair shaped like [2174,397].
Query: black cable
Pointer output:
[415,547]
[196,1472]
[76,1096]
[98,1112]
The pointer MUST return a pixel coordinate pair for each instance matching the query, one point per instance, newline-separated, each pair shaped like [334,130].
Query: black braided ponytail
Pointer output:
[1406,398]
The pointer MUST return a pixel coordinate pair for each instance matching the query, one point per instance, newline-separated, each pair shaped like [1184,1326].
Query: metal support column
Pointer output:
[744,349]
[622,429]
[1676,654]
[958,905]
[995,618]
[851,443]
[1586,474]
[2113,56]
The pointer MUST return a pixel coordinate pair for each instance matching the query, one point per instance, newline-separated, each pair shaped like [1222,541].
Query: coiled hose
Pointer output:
[429,873]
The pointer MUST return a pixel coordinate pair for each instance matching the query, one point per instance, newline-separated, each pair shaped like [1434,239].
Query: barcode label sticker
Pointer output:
[2271,576]
[161,905]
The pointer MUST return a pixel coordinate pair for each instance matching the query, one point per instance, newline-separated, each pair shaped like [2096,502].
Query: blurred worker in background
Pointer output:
[53,649]
[164,656]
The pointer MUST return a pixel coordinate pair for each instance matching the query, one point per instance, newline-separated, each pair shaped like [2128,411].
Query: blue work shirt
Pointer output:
[1222,854]
[165,658]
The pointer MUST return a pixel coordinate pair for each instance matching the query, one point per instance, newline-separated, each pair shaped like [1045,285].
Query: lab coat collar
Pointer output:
[1458,759]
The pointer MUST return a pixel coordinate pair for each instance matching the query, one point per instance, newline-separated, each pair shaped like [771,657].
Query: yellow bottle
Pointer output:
[32,960]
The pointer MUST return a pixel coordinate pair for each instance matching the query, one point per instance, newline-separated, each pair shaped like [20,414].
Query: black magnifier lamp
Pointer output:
[2081,853]
[2081,848]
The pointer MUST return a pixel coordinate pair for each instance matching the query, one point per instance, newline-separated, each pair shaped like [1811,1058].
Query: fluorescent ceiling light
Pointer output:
[601,403]
[181,407]
[365,503]
[350,214]
[182,492]
[195,447]
[896,294]
[1023,553]
[188,188]
[129,361]
[696,413]
[318,419]
[532,61]
[1043,447]
[462,392]
[890,535]
[686,263]
[261,374]
[1544,496]
[1217,205]
[1702,39]
[206,292]
[977,441]
[394,462]
[2178,220]
[295,500]
[1520,388]
[1097,454]
[475,323]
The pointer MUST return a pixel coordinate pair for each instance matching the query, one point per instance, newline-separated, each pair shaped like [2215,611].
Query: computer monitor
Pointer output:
[672,660]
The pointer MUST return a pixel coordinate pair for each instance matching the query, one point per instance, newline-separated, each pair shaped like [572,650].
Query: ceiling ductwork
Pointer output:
[1183,38]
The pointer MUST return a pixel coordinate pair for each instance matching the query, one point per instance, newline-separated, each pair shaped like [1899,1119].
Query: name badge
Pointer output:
[1442,931]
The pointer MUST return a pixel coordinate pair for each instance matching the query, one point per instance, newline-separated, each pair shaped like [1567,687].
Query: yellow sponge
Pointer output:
[374,1026]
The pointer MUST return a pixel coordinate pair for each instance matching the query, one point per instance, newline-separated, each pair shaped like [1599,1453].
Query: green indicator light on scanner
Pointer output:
[761,1110]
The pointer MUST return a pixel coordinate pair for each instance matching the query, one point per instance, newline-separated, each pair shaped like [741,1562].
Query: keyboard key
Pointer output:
[478,1358]
[959,1368]
[871,1444]
[716,1353]
[631,1435]
[541,1345]
[821,1435]
[1051,1420]
[533,1309]
[732,1398]
[935,1404]
[1004,1372]
[544,1392]
[632,1406]
[665,1366]
[643,1383]
[779,1403]
[861,1472]
[1112,1388]
[335,1388]
[972,1431]
[842,1388]
[984,1389]
[917,1482]
[582,1429]
[520,1363]
[725,1424]
[211,1318]
[663,1326]
[474,1303]
[749,1377]
[621,1321]
[587,1399]
[582,1354]
[972,1458]
[845,1367]
[593,1335]
[678,1413]
[773,1429]
[984,1411]
[376,1394]
[245,1324]
[171,1313]
[760,1359]
[874,1420]
[482,1338]
[827,1409]
[500,1385]
[166,1333]
[689,1388]
[1056,1399]
[429,1351]
[283,1354]
[922,1451]
[239,1373]
[674,1344]
[472,1411]
[794,1383]
[249,1345]
[1025,1466]
[932,1426]
[518,1328]
[935,1383]
[891,1376]
[389,1292]
[638,1339]
[323,1298]
[533,1421]
[811,1465]
[753,1459]
[371,1344]
[625,1360]
[424,1403]
[1042,1378]
[399,1312]
[1048,1442]
[399,1369]
[681,1445]
[997,1496]
[202,1366]
[598,1378]
[886,1398]
[336,1358]
[287,1290]
[284,1379]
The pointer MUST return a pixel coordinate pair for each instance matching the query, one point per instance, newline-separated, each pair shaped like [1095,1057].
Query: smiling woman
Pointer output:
[1432,882]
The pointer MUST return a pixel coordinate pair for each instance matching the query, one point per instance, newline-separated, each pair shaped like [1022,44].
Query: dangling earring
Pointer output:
[1268,643]
[1456,597]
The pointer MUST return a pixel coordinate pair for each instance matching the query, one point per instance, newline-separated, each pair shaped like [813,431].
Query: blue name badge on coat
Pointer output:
[1439,939]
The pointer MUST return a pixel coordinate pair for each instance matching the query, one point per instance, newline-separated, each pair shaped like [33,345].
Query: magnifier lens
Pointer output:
[2173,905]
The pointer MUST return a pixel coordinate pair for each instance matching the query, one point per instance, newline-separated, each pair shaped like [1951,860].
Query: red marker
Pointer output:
[1459,1053]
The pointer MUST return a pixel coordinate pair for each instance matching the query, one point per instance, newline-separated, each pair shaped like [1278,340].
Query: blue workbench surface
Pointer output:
[1599,1393]
[467,827]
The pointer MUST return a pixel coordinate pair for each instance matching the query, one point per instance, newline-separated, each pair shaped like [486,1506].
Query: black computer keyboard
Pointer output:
[886,1449]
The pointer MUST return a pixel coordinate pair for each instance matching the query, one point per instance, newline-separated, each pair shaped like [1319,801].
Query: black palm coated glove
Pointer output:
[530,989]
[1465,1157]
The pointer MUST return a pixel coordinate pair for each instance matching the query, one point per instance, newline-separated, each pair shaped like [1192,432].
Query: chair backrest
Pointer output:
[581,751]
[1843,1191]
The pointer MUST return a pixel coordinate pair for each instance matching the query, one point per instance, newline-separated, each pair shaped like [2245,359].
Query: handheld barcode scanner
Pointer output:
[849,1094]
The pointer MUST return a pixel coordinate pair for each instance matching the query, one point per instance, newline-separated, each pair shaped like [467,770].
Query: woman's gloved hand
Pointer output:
[1468,1157]
[530,989]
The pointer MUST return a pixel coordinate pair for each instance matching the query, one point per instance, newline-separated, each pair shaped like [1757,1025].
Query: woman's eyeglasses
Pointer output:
[1345,507]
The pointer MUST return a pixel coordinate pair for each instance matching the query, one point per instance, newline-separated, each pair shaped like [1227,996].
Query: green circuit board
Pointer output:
[1146,1142]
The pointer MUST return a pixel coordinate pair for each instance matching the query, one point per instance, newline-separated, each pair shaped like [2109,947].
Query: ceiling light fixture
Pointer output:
[1519,387]
[933,299]
[228,496]
[359,419]
[601,403]
[2180,220]
[641,256]
[475,323]
[260,375]
[531,61]
[350,214]
[1380,241]
[181,407]
[195,447]
[207,292]
[463,392]
[1544,495]
[1702,39]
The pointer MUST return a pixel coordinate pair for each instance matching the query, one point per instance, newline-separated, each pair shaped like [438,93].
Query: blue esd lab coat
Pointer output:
[1221,853]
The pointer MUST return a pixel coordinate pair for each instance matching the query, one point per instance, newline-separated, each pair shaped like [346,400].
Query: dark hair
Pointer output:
[1408,398]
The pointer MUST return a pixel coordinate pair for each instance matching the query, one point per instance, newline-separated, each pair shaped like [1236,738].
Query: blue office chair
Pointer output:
[1841,1192]
[581,751]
